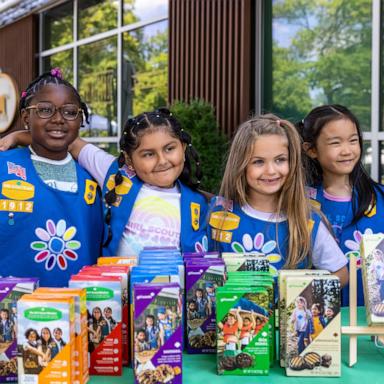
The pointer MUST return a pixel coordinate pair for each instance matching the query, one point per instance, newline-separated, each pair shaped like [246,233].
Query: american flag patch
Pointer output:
[14,169]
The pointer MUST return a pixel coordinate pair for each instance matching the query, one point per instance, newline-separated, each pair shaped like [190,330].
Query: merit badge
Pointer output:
[90,191]
[17,189]
[195,215]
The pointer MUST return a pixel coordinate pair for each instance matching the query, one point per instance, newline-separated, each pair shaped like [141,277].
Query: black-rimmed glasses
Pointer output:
[47,110]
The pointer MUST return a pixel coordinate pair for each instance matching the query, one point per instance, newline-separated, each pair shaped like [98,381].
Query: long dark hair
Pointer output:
[364,188]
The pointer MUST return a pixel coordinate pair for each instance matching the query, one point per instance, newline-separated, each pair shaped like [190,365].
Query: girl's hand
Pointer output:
[7,142]
[15,138]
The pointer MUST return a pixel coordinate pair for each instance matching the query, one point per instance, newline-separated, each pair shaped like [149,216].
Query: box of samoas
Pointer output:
[158,333]
[11,289]
[242,348]
[39,359]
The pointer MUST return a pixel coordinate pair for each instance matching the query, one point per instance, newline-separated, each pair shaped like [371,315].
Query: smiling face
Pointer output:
[32,336]
[329,312]
[267,169]
[96,313]
[58,334]
[231,319]
[51,137]
[4,315]
[141,336]
[337,148]
[159,158]
[108,313]
[45,334]
[149,321]
[315,310]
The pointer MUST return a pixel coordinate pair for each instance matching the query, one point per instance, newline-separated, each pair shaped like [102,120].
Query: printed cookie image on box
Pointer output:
[201,283]
[157,333]
[313,332]
[242,331]
[39,359]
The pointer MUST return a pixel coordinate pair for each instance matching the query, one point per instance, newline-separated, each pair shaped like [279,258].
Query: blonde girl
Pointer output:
[263,206]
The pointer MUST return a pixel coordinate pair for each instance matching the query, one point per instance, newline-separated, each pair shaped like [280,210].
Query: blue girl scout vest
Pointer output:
[232,230]
[193,210]
[46,233]
[348,235]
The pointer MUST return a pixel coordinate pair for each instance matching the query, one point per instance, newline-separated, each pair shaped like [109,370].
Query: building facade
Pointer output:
[243,56]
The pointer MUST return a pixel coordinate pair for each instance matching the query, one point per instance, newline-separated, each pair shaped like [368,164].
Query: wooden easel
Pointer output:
[353,330]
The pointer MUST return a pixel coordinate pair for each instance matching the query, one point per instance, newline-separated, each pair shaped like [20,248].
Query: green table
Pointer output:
[201,369]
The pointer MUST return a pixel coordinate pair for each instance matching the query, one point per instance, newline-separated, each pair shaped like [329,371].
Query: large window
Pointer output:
[115,52]
[323,52]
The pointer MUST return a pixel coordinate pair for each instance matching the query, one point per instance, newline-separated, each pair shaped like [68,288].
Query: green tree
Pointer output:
[328,59]
[198,119]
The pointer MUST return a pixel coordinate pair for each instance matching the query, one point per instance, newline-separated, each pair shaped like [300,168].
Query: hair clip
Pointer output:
[189,145]
[56,72]
[278,122]
[23,94]
[181,130]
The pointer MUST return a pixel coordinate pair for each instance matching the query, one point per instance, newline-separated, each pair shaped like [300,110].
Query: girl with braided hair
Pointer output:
[50,215]
[150,190]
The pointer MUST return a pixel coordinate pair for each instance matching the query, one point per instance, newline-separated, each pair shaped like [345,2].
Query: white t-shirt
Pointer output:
[155,219]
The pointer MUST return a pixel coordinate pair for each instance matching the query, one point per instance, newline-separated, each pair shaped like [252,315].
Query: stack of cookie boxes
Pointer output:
[310,334]
[203,274]
[245,322]
[104,312]
[372,255]
[11,289]
[157,284]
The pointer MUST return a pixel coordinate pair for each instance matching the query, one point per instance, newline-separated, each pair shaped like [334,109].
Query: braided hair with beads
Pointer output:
[54,76]
[133,130]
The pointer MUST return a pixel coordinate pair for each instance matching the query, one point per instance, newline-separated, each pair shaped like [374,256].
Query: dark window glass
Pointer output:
[97,79]
[96,16]
[145,69]
[58,26]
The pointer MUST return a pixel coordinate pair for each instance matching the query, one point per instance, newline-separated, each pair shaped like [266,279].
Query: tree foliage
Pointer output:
[328,59]
[198,119]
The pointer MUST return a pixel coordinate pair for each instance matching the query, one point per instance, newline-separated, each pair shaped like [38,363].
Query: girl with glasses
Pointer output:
[50,210]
